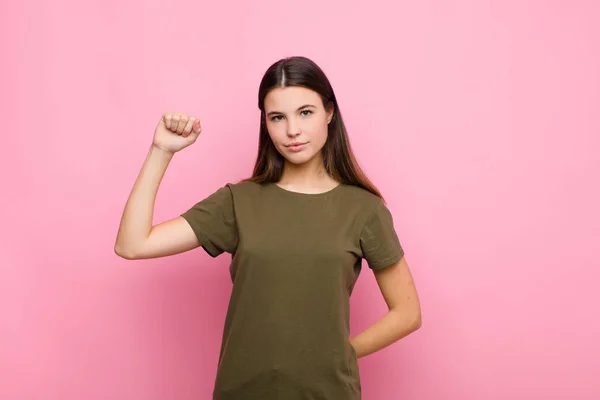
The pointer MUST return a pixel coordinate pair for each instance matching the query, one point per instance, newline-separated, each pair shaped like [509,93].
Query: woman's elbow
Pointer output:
[416,320]
[124,252]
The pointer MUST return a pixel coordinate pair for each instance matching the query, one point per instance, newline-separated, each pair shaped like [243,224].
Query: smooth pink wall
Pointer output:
[479,121]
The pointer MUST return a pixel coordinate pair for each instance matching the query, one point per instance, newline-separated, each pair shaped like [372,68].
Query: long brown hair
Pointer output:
[339,161]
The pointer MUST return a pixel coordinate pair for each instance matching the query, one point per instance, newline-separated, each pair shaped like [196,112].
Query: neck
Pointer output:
[308,176]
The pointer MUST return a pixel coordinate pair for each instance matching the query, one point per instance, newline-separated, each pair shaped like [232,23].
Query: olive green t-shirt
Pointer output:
[295,260]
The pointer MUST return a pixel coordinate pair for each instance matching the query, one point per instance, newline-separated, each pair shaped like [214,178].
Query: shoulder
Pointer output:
[245,189]
[361,197]
[244,186]
[361,203]
[230,190]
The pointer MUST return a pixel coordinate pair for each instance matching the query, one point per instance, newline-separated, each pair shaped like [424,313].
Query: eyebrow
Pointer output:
[299,108]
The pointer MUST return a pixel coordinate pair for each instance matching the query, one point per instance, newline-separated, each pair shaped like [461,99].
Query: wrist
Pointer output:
[161,152]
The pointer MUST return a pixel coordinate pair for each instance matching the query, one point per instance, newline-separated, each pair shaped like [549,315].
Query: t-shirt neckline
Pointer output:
[301,194]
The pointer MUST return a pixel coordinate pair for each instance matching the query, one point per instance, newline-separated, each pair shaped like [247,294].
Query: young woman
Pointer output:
[297,231]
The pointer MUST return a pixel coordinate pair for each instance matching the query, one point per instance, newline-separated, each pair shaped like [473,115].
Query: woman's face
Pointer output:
[297,122]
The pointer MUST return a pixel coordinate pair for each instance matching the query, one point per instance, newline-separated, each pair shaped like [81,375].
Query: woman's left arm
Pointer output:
[404,310]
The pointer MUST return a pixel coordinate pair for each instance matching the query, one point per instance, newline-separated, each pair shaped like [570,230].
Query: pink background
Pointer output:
[479,121]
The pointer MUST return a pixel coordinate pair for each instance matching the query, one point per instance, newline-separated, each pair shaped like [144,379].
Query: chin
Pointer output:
[299,158]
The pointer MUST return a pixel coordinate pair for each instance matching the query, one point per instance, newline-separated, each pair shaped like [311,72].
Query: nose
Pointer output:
[292,128]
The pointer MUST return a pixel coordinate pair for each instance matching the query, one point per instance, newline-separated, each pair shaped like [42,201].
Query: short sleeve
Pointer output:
[213,222]
[379,242]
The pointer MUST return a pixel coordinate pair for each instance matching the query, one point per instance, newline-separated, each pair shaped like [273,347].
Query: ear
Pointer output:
[329,111]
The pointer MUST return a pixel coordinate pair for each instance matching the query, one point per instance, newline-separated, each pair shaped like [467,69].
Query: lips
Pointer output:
[296,147]
[295,144]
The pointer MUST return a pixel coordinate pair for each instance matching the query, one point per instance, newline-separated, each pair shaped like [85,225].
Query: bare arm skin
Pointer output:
[137,238]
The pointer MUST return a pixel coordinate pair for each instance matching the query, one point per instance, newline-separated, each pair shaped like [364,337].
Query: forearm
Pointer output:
[393,326]
[136,221]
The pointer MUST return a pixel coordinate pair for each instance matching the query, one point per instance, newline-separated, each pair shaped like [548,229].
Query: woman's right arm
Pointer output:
[137,238]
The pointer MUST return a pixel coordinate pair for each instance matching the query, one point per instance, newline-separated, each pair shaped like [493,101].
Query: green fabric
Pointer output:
[295,260]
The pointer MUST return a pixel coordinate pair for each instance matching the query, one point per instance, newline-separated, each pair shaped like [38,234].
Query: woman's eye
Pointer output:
[304,113]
